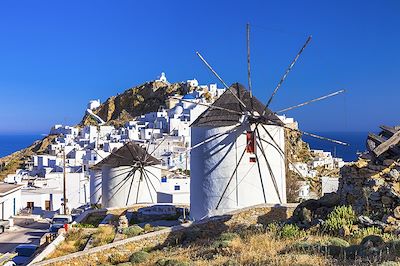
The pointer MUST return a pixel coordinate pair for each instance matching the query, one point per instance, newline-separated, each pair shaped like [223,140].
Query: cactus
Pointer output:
[340,218]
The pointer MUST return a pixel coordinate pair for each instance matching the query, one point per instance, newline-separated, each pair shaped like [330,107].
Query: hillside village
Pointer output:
[165,134]
[114,159]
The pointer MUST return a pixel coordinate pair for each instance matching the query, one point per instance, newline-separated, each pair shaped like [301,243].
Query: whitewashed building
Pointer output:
[10,200]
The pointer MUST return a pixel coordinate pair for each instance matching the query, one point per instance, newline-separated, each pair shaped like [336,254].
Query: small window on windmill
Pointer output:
[250,142]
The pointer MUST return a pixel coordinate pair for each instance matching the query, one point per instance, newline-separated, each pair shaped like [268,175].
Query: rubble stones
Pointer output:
[388,162]
[386,200]
[396,212]
[394,174]
[372,188]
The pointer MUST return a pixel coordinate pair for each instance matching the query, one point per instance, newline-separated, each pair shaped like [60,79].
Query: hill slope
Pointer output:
[135,101]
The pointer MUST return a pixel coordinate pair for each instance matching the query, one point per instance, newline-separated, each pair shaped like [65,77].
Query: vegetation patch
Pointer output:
[75,240]
[103,235]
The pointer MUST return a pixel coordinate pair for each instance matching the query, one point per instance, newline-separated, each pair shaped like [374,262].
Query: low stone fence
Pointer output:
[50,248]
[214,226]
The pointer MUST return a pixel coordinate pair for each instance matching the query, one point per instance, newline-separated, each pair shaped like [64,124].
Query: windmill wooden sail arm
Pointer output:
[386,143]
[130,154]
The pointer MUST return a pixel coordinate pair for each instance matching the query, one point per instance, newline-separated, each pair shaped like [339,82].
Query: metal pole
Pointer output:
[64,184]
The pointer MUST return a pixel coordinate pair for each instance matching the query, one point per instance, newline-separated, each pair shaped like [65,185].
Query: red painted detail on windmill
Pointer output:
[250,142]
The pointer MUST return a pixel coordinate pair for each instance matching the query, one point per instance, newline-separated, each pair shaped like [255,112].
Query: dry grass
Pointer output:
[103,236]
[75,240]
[258,249]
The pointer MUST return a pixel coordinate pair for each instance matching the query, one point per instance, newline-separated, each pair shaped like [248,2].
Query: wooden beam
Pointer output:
[391,142]
[375,138]
[388,130]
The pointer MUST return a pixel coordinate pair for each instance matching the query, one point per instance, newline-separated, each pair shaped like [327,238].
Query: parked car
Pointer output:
[4,224]
[58,222]
[24,253]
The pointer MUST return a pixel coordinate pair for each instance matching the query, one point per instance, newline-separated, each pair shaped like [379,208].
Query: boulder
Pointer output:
[329,200]
[388,162]
[386,200]
[372,241]
[396,212]
[394,174]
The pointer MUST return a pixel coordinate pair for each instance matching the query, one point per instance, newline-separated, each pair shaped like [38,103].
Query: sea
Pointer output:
[10,143]
[356,141]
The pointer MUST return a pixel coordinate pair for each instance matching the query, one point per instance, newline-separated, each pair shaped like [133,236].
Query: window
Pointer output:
[250,142]
[177,187]
[253,159]
[164,179]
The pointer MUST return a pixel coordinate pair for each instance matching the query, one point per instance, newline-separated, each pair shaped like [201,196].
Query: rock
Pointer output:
[365,220]
[386,200]
[396,212]
[361,163]
[123,222]
[390,229]
[391,220]
[305,215]
[375,196]
[372,241]
[344,231]
[394,174]
[329,200]
[388,162]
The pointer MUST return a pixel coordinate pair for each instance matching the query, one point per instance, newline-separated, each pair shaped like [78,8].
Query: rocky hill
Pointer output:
[10,163]
[135,101]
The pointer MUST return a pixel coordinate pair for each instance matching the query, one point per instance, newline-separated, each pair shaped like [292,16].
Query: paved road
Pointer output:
[23,234]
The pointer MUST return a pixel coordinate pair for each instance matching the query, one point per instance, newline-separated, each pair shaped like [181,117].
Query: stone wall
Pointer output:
[208,227]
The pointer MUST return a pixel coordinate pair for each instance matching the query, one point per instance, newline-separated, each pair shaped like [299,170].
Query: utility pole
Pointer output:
[64,184]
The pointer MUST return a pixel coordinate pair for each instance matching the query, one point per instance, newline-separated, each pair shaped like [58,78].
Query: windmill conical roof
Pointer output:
[217,118]
[128,155]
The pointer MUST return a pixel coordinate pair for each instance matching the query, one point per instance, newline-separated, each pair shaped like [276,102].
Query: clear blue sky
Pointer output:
[57,55]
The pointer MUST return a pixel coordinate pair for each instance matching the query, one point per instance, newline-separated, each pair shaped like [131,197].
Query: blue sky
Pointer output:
[57,55]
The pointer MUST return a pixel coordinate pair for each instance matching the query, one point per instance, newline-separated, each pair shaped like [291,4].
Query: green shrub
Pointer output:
[291,231]
[340,218]
[221,244]
[84,225]
[303,246]
[124,264]
[335,241]
[361,233]
[116,258]
[138,257]
[231,262]
[103,235]
[274,229]
[132,231]
[147,228]
[228,236]
[171,262]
